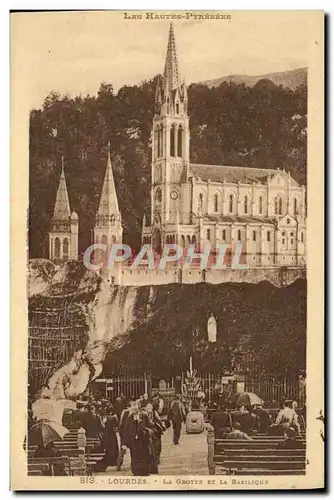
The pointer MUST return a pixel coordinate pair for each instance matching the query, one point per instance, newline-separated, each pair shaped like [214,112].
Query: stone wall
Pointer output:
[277,276]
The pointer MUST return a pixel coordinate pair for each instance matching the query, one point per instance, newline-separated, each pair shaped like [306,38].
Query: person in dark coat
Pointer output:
[92,424]
[176,415]
[50,451]
[238,413]
[263,419]
[123,421]
[109,440]
[119,407]
[221,421]
[248,421]
[157,432]
[138,437]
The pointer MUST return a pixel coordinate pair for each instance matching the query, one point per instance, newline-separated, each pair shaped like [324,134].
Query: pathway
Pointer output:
[187,458]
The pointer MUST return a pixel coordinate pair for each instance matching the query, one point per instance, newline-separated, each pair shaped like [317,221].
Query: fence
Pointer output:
[128,385]
[274,389]
[270,389]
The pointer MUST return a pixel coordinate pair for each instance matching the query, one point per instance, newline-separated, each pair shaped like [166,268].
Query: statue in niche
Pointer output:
[212,328]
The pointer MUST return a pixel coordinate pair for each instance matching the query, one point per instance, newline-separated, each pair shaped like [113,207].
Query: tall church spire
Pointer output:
[171,72]
[62,210]
[171,91]
[108,208]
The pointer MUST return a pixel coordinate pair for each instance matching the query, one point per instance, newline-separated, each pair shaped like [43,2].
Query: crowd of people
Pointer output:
[244,422]
[136,426]
[139,425]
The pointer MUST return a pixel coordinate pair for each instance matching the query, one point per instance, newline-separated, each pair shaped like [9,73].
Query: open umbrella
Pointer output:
[45,431]
[248,399]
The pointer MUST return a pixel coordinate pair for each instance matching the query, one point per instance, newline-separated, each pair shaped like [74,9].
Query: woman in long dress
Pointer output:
[139,427]
[110,443]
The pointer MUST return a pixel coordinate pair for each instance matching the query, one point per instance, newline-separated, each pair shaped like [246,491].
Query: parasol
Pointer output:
[45,432]
[248,399]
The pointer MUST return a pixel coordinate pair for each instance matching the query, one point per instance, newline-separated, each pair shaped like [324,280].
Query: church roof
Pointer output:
[171,72]
[219,173]
[108,202]
[235,219]
[61,209]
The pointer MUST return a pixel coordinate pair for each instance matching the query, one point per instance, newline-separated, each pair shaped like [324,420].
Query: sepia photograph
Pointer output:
[167,183]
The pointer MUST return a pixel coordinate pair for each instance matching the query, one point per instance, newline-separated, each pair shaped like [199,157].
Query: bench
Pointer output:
[44,465]
[259,456]
[70,452]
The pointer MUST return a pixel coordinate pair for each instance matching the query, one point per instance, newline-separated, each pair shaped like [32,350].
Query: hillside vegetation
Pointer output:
[232,124]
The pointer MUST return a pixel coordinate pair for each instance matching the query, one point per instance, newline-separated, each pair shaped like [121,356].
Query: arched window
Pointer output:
[65,248]
[295,206]
[276,206]
[173,238]
[177,108]
[254,235]
[160,137]
[280,206]
[167,105]
[188,239]
[200,202]
[57,248]
[158,142]
[268,235]
[172,140]
[245,204]
[113,239]
[215,203]
[158,195]
[224,235]
[183,241]
[179,141]
[158,175]
[239,235]
[302,237]
[231,203]
[193,240]
[260,205]
[208,234]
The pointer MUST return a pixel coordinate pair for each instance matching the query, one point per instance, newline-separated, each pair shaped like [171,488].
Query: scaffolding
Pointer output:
[55,334]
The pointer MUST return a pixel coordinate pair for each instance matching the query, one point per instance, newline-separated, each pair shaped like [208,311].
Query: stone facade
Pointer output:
[263,209]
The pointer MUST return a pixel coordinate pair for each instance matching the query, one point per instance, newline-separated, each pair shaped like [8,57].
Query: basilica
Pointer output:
[263,209]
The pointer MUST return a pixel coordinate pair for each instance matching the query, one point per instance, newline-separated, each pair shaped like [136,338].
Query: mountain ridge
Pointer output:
[290,78]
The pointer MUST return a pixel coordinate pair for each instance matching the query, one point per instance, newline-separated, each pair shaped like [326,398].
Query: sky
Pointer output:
[72,53]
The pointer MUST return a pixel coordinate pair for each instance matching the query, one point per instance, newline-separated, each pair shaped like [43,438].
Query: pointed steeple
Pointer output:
[171,72]
[62,210]
[108,208]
